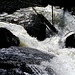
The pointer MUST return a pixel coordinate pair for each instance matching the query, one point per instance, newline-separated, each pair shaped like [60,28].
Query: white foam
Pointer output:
[64,61]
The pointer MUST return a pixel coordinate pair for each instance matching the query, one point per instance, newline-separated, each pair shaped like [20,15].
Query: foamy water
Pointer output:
[64,61]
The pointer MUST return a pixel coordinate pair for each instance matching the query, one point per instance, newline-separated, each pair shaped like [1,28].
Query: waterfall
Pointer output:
[64,61]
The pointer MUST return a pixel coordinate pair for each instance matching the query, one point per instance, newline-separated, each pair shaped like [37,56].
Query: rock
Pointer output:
[24,61]
[70,40]
[36,28]
[7,39]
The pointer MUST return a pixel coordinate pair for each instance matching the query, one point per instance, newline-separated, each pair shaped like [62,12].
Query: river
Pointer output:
[64,61]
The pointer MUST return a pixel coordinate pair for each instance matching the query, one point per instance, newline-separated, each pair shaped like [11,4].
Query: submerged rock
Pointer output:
[24,61]
[7,39]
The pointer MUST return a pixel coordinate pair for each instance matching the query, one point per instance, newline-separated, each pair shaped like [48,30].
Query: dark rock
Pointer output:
[36,28]
[24,61]
[70,41]
[7,39]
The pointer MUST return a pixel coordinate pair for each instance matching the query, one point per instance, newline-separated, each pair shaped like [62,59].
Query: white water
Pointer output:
[64,61]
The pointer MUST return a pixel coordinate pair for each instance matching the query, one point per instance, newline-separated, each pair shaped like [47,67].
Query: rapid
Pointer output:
[64,61]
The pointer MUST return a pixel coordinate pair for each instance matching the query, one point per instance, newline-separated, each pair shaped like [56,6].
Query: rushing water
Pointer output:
[64,61]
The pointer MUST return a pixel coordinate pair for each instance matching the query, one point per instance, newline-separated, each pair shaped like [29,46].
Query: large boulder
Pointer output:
[36,28]
[70,40]
[24,61]
[8,39]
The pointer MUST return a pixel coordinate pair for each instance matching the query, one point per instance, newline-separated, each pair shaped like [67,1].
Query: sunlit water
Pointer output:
[64,61]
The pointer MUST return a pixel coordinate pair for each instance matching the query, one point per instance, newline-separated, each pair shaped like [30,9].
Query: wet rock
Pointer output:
[24,61]
[7,39]
[70,41]
[36,28]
